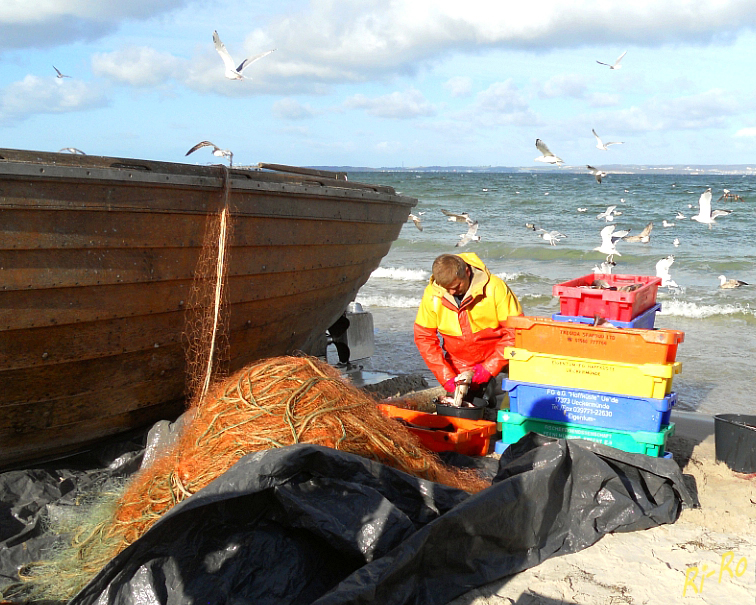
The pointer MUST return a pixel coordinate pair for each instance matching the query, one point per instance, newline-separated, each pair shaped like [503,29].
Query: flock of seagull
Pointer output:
[610,236]
[232,71]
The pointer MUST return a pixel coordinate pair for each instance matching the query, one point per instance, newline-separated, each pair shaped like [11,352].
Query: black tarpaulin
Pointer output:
[308,524]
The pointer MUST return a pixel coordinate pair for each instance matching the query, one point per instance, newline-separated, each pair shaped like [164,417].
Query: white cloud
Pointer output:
[568,85]
[459,86]
[34,95]
[397,105]
[603,99]
[138,66]
[47,23]
[746,132]
[501,98]
[356,40]
[290,109]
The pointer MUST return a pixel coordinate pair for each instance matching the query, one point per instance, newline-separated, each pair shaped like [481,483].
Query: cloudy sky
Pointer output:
[384,82]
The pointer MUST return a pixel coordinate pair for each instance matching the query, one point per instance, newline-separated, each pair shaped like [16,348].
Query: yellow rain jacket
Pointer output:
[473,331]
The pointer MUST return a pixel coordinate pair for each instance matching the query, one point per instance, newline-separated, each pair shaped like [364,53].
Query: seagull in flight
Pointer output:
[607,215]
[72,150]
[551,236]
[599,174]
[60,75]
[705,214]
[604,146]
[679,216]
[546,156]
[662,270]
[644,236]
[234,73]
[415,219]
[728,284]
[217,151]
[462,217]
[608,239]
[470,236]
[616,64]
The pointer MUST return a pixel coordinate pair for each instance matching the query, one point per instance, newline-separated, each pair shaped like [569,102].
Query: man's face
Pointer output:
[460,285]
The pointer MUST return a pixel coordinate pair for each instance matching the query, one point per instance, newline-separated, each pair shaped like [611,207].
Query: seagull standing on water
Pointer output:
[616,64]
[546,156]
[234,73]
[604,146]
[217,151]
[470,236]
[728,284]
[705,214]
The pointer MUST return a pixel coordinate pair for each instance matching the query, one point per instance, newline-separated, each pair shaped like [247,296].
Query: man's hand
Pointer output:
[480,374]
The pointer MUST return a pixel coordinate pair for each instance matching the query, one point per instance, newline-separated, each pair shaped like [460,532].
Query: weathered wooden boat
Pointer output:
[97,259]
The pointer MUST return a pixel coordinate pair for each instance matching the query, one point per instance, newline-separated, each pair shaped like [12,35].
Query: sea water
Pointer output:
[719,349]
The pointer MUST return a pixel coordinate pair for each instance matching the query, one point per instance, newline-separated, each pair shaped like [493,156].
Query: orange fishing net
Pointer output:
[273,403]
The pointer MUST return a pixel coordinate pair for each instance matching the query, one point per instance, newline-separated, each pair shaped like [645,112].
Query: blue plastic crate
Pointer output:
[645,320]
[589,408]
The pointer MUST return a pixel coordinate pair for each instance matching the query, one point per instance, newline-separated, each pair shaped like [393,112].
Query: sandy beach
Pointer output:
[707,557]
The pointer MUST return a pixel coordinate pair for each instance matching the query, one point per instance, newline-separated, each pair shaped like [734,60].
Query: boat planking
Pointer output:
[98,257]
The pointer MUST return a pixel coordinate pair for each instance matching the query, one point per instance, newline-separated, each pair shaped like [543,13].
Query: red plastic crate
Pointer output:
[576,297]
[469,437]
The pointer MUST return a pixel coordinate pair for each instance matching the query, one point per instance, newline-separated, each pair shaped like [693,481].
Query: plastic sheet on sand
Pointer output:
[308,524]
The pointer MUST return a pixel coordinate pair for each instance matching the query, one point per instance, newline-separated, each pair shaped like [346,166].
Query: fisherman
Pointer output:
[467,306]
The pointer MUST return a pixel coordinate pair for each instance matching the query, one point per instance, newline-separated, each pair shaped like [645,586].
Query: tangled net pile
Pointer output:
[271,403]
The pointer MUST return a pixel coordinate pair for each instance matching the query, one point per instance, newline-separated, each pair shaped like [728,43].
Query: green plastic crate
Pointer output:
[515,426]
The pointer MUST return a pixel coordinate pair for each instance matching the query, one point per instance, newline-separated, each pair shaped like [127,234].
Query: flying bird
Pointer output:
[608,214]
[662,270]
[676,242]
[604,146]
[608,239]
[644,236]
[60,75]
[546,156]
[728,284]
[462,217]
[217,151]
[551,236]
[616,64]
[599,174]
[470,236]
[415,219]
[234,73]
[72,150]
[705,214]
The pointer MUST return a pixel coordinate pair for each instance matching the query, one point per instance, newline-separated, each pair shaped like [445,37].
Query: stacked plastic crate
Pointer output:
[608,383]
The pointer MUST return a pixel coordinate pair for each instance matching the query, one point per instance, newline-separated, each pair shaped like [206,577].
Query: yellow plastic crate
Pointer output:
[634,379]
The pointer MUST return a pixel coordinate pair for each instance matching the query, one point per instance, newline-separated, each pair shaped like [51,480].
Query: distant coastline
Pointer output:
[676,169]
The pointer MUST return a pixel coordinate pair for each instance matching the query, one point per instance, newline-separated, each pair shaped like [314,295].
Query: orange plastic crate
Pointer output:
[469,437]
[576,297]
[629,345]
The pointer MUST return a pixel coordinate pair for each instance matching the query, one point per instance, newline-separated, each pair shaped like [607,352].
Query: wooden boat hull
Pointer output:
[98,258]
